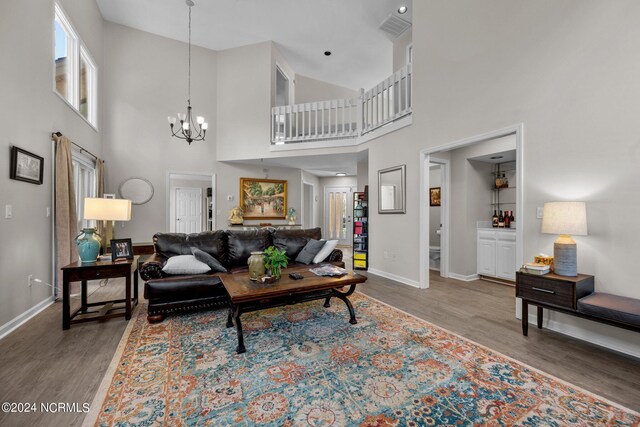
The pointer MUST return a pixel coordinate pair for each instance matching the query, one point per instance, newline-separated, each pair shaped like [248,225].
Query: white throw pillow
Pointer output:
[325,251]
[185,264]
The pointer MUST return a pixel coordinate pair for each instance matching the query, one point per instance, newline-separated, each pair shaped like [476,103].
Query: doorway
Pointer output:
[337,214]
[188,210]
[467,253]
[191,202]
[308,220]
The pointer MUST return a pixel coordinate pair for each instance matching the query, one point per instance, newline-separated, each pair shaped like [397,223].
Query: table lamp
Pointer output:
[565,219]
[99,209]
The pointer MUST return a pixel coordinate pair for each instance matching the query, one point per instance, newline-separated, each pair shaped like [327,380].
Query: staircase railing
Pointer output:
[387,102]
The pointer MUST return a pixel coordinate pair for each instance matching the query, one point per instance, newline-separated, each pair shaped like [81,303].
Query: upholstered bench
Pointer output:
[612,309]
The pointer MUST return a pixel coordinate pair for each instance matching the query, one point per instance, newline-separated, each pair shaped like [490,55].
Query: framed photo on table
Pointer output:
[121,249]
[26,166]
[263,198]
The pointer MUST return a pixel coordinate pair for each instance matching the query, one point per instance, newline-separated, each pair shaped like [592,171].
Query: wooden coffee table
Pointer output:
[246,295]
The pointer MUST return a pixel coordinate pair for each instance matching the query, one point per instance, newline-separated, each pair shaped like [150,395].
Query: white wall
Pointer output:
[400,49]
[312,90]
[568,71]
[29,112]
[310,178]
[363,171]
[137,140]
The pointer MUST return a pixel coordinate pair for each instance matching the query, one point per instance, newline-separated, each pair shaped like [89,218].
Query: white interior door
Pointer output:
[188,210]
[338,209]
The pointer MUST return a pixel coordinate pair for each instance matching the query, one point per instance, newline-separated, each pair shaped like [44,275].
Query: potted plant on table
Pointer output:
[275,260]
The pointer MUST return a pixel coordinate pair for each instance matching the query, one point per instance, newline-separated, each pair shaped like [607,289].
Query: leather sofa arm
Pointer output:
[152,268]
[335,255]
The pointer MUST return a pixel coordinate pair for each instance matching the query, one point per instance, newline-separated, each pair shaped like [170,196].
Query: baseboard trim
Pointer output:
[394,277]
[469,278]
[23,318]
[593,337]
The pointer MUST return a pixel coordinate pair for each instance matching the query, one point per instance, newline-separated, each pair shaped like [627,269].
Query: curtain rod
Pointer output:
[81,149]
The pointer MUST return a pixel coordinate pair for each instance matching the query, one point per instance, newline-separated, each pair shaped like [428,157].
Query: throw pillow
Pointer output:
[326,250]
[185,264]
[309,251]
[210,260]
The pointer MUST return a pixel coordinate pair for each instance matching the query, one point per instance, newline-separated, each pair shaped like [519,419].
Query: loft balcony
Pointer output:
[342,122]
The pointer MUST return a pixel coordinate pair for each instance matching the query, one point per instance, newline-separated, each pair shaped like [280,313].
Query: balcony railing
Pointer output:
[344,118]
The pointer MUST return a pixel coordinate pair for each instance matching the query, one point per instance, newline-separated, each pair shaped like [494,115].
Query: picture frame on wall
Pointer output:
[26,166]
[263,198]
[434,196]
[121,249]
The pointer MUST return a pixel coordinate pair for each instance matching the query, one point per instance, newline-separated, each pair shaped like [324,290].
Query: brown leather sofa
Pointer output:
[176,293]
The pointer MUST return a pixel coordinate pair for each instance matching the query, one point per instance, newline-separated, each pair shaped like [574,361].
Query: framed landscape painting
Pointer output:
[263,198]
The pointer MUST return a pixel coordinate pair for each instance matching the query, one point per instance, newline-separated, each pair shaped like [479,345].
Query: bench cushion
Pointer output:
[612,307]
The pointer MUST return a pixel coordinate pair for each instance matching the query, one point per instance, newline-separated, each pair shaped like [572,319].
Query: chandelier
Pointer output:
[187,128]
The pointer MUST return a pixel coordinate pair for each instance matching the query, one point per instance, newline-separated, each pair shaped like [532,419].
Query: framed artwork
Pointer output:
[26,166]
[263,198]
[121,248]
[434,196]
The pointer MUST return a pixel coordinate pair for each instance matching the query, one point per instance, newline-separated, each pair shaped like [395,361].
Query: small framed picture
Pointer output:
[121,249]
[26,166]
[434,196]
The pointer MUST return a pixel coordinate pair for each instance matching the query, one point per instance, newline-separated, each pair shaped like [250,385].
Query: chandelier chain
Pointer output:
[189,89]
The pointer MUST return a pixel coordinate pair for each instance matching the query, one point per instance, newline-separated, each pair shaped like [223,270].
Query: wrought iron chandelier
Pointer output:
[187,128]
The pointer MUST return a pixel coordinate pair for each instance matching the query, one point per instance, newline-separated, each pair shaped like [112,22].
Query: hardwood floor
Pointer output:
[41,363]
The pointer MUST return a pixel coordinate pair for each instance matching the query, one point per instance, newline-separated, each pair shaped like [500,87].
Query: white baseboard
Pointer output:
[469,278]
[394,277]
[18,321]
[597,333]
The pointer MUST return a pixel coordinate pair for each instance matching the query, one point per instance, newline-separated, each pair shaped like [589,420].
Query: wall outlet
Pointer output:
[8,211]
[539,213]
[48,212]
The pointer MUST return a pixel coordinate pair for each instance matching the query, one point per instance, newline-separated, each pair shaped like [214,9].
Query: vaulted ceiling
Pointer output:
[362,54]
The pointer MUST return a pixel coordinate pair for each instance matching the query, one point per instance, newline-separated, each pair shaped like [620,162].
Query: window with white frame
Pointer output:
[75,72]
[84,182]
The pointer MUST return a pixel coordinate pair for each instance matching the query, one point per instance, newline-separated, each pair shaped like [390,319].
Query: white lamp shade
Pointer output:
[107,209]
[565,218]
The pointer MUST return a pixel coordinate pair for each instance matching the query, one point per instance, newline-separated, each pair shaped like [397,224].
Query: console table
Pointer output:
[551,291]
[83,272]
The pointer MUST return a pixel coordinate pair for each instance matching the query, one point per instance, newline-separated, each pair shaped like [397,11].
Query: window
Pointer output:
[75,73]
[84,182]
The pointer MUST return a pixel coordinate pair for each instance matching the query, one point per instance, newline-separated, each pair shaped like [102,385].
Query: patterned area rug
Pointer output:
[306,365]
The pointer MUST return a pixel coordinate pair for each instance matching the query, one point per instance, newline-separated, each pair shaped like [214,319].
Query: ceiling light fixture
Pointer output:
[402,9]
[187,126]
[341,174]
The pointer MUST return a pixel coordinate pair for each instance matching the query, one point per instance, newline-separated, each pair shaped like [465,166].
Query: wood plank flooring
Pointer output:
[41,363]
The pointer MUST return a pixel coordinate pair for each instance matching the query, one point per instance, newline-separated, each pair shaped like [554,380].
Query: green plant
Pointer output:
[274,260]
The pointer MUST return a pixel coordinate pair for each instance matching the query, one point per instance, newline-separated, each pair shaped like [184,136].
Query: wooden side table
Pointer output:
[98,270]
[551,291]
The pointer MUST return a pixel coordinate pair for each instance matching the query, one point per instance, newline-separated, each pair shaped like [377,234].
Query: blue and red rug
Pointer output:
[306,365]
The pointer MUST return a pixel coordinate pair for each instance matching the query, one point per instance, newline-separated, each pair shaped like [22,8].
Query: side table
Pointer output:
[551,291]
[98,270]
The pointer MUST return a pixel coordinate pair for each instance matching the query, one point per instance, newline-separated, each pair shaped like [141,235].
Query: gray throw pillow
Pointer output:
[185,264]
[310,250]
[202,256]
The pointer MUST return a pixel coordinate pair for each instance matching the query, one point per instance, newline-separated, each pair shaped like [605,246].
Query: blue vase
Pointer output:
[88,245]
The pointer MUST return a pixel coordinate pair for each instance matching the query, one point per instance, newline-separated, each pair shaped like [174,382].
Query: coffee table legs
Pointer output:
[344,297]
[234,315]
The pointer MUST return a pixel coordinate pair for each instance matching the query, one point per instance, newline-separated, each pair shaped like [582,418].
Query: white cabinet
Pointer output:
[497,253]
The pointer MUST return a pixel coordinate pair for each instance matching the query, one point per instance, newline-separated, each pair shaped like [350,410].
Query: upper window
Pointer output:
[75,77]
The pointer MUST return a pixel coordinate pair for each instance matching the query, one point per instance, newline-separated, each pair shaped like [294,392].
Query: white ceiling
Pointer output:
[362,55]
[320,165]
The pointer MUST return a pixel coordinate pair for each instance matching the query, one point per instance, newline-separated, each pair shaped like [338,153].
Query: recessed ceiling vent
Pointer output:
[394,26]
